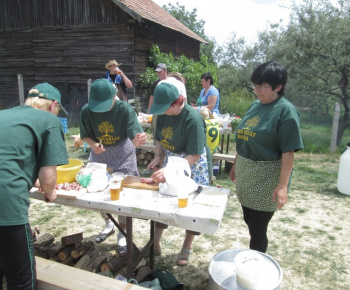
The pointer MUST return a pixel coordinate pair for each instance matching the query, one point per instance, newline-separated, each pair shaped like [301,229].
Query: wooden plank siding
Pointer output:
[67,42]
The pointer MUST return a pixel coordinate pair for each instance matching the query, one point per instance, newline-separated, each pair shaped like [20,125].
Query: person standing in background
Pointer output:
[119,80]
[162,73]
[266,140]
[209,96]
[33,148]
[111,128]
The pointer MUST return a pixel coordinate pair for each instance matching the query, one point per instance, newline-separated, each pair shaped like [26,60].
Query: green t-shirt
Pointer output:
[184,133]
[268,130]
[31,139]
[112,127]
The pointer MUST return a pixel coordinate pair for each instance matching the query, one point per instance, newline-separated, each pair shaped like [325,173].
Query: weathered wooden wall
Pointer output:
[67,42]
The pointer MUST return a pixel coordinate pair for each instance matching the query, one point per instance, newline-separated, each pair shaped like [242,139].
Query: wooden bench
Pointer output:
[54,276]
[224,157]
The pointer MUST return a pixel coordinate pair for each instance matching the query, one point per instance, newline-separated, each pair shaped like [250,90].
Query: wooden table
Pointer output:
[151,205]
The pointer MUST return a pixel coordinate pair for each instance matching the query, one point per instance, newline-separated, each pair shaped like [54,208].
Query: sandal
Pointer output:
[184,255]
[101,237]
[121,249]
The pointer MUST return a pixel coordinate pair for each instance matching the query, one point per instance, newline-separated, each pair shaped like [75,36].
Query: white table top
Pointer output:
[146,204]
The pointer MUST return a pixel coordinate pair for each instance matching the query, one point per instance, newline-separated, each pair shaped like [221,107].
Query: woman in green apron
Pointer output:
[266,140]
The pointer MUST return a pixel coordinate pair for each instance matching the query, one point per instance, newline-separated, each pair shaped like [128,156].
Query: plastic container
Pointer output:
[67,173]
[64,124]
[343,183]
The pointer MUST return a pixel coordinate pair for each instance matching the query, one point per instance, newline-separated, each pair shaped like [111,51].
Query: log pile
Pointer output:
[144,157]
[73,251]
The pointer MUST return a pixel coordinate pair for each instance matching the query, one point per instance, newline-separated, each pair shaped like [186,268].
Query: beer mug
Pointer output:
[119,176]
[114,188]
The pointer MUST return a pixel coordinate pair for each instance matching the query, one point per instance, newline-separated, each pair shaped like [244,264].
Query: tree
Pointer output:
[316,49]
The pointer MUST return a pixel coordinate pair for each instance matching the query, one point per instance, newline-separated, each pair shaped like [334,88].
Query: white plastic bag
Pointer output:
[178,178]
[99,177]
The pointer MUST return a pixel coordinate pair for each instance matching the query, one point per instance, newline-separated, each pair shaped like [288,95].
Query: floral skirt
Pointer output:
[199,170]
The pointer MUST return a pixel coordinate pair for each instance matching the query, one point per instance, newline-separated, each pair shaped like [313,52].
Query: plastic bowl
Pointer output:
[67,173]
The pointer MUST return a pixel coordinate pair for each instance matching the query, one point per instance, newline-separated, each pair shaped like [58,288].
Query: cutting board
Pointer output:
[135,182]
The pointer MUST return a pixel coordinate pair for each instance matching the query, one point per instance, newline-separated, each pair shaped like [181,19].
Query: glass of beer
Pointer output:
[182,199]
[120,176]
[117,71]
[114,188]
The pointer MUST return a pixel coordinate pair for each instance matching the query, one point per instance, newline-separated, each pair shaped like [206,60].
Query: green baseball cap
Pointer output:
[164,95]
[46,91]
[101,97]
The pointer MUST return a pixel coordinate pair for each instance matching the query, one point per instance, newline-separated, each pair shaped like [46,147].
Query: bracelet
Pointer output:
[156,154]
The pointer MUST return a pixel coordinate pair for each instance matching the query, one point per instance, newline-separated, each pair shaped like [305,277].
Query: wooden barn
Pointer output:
[68,42]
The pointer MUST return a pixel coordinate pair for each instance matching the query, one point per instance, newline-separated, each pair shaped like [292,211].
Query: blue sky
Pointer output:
[244,17]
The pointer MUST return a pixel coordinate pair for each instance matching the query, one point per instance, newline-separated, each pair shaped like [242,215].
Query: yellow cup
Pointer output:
[114,188]
[183,202]
[150,119]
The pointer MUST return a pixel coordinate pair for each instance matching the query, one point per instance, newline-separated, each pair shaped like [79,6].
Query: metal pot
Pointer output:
[222,272]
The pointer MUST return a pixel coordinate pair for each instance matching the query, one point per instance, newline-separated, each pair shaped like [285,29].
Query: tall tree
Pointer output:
[316,47]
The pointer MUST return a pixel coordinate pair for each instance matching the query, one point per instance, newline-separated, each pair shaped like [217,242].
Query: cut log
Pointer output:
[44,240]
[140,163]
[65,252]
[85,260]
[148,156]
[142,156]
[113,265]
[81,249]
[144,151]
[42,253]
[72,239]
[69,261]
[54,248]
[95,265]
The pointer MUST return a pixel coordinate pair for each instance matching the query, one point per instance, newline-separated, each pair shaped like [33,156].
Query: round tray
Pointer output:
[222,272]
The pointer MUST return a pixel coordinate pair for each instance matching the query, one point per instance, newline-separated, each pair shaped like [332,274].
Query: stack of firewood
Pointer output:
[75,252]
[144,157]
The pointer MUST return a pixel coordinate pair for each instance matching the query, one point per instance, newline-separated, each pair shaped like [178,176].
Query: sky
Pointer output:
[243,17]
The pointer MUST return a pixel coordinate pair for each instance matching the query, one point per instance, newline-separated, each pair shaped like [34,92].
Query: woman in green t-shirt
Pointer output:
[266,140]
[181,132]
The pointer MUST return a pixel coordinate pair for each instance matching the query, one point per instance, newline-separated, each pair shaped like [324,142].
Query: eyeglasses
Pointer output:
[260,88]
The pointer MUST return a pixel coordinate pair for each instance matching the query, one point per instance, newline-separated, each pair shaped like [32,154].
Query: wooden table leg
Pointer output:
[129,263]
[151,251]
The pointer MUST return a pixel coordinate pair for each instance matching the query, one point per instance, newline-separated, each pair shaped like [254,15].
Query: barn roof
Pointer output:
[147,9]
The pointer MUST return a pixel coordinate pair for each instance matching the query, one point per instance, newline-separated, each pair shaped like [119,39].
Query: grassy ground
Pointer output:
[308,237]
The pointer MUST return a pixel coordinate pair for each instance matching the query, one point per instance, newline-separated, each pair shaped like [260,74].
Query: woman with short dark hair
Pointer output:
[266,140]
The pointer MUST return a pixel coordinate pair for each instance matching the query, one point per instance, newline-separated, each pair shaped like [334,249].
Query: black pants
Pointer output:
[257,222]
[17,261]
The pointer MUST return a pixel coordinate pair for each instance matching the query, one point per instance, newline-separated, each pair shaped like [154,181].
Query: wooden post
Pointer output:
[20,89]
[335,127]
[89,86]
